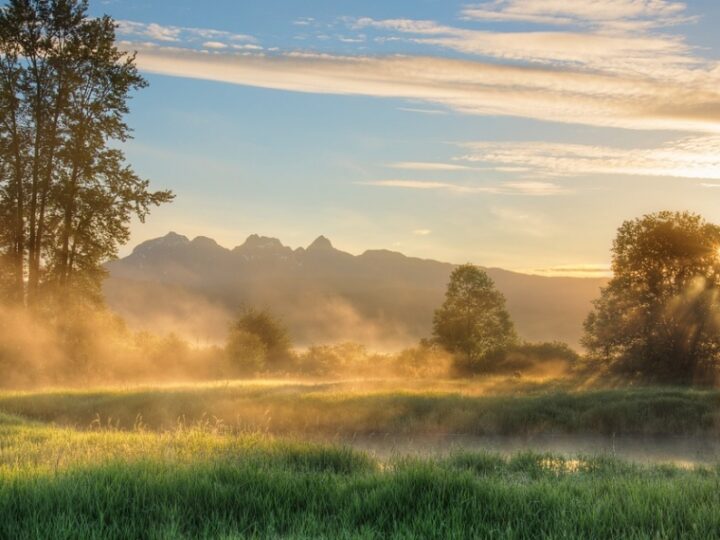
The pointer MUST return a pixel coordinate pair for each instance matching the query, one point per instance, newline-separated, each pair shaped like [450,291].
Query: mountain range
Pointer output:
[381,298]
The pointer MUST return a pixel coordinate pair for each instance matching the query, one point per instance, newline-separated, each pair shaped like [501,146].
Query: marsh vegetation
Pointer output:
[199,481]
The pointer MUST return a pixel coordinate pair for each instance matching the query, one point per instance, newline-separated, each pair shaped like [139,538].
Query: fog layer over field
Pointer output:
[400,417]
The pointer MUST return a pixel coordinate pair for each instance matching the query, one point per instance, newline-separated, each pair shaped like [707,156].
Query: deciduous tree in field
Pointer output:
[257,341]
[66,195]
[473,322]
[659,317]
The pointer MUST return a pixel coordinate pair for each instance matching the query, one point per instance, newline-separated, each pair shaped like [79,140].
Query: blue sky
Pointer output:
[513,133]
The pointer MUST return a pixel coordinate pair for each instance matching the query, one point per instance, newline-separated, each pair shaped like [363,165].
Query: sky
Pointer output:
[507,133]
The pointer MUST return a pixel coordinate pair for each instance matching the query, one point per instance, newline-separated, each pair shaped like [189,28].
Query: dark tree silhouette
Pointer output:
[66,195]
[659,317]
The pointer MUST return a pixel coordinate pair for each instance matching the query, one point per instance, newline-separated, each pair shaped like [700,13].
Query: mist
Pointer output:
[94,346]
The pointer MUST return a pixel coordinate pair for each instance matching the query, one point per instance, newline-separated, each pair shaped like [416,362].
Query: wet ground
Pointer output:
[683,451]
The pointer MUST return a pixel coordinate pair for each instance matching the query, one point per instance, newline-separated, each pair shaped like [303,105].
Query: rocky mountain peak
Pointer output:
[170,240]
[256,242]
[321,242]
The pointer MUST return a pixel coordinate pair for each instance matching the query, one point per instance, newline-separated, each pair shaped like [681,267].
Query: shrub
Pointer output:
[267,333]
[425,360]
[340,360]
[528,358]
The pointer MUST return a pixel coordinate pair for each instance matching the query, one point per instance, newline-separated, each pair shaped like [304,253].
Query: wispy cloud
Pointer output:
[214,45]
[609,64]
[692,157]
[627,51]
[533,188]
[179,35]
[608,36]
[422,232]
[422,111]
[504,188]
[149,31]
[428,166]
[606,14]
[304,21]
[470,87]
[426,185]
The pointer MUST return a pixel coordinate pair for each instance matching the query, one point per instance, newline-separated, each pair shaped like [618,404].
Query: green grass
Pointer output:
[197,483]
[348,409]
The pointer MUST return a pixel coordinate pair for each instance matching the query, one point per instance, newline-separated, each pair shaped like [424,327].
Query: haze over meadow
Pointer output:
[413,269]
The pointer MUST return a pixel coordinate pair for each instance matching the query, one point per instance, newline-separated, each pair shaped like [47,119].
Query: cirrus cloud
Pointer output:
[607,14]
[469,87]
[690,157]
[505,188]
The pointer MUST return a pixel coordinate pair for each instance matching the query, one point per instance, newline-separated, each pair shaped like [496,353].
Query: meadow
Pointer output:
[236,460]
[488,406]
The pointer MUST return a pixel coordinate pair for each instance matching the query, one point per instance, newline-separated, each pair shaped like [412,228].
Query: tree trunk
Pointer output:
[18,253]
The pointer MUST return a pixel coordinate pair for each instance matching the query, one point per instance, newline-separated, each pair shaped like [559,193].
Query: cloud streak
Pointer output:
[506,188]
[629,52]
[601,63]
[470,87]
[422,111]
[606,14]
[179,34]
[691,157]
[428,166]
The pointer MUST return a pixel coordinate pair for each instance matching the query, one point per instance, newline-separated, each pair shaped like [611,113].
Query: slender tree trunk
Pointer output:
[34,188]
[35,259]
[69,212]
[18,253]
[38,76]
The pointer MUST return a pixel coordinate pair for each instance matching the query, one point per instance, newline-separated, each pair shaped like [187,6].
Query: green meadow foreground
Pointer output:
[155,463]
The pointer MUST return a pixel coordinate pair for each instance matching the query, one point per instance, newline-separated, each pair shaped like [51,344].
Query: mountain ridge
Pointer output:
[381,297]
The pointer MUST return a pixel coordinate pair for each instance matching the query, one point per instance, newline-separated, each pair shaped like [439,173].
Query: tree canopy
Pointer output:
[259,339]
[66,195]
[659,317]
[473,322]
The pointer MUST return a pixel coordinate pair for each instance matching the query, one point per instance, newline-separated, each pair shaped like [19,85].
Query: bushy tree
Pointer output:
[258,338]
[659,317]
[66,195]
[473,322]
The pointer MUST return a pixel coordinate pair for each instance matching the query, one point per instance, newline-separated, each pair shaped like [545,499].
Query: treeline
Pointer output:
[259,345]
[657,320]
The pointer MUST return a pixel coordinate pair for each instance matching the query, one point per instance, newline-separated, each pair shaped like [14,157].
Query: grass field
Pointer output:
[499,407]
[65,475]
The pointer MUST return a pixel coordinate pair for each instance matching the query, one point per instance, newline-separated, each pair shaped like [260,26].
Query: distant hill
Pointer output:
[381,298]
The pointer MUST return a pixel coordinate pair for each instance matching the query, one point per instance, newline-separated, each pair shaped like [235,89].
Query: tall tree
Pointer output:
[659,317]
[66,195]
[473,322]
